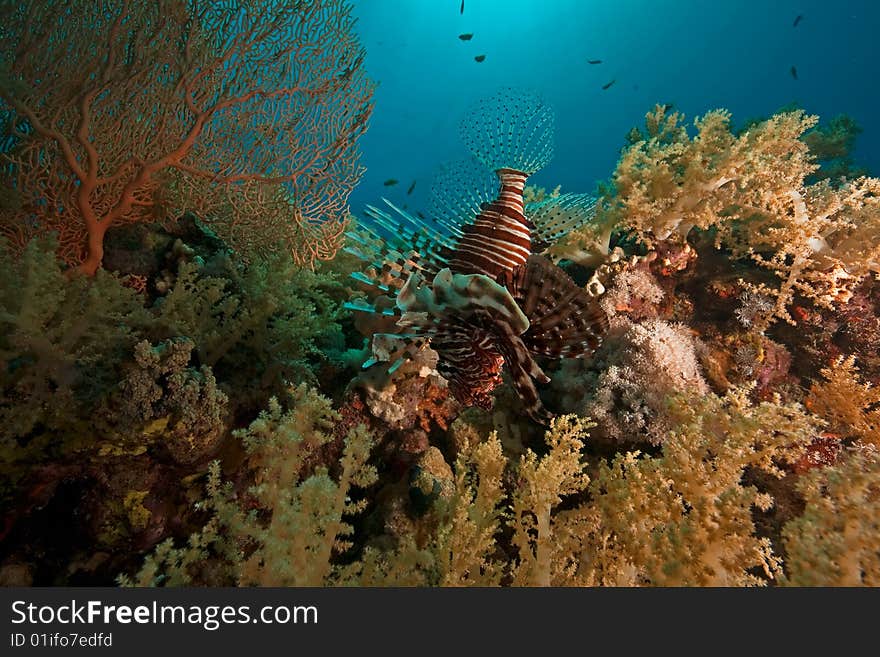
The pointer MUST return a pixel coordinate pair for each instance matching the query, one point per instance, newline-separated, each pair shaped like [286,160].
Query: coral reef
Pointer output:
[171,107]
[627,385]
[836,542]
[114,397]
[751,188]
[195,415]
[850,406]
[293,513]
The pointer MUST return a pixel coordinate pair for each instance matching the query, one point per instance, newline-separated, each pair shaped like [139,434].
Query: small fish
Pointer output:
[461,11]
[390,182]
[608,85]
[794,73]
[467,36]
[420,215]
[594,61]
[479,58]
[797,20]
[411,188]
[349,71]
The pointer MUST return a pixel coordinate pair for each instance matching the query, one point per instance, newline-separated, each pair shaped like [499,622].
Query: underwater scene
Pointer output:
[439,293]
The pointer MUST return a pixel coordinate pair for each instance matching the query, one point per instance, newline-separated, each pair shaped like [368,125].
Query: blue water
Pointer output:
[697,54]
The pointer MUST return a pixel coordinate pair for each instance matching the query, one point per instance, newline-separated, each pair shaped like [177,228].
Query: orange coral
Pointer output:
[126,112]
[849,405]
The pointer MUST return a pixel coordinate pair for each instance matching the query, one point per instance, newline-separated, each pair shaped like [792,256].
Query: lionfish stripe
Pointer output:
[497,215]
[514,248]
[523,372]
[499,240]
[564,319]
[501,254]
[472,260]
[512,226]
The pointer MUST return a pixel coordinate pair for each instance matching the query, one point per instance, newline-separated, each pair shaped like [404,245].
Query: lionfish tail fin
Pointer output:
[565,320]
[557,216]
[459,190]
[511,129]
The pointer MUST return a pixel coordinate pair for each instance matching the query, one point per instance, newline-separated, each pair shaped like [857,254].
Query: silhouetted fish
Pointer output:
[480,58]
[594,61]
[797,20]
[390,182]
[467,36]
[461,11]
[794,73]
[608,85]
[411,188]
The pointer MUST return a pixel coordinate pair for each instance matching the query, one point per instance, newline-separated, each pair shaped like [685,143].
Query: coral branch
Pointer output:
[246,113]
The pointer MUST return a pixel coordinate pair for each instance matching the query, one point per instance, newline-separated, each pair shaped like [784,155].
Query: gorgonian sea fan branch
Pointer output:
[183,105]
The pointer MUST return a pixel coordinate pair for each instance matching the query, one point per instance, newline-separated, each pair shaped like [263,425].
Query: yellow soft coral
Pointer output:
[293,520]
[751,187]
[668,183]
[851,407]
[836,542]
[544,558]
[684,518]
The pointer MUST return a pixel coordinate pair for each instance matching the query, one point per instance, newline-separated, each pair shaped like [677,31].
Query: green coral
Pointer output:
[293,524]
[93,382]
[161,396]
[61,340]
[265,321]
[836,542]
[138,514]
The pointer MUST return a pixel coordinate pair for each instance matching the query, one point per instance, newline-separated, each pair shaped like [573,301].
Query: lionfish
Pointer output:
[470,282]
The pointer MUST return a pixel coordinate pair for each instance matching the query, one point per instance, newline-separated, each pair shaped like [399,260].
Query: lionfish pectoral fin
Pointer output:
[564,320]
[557,216]
[525,388]
[394,348]
[524,371]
